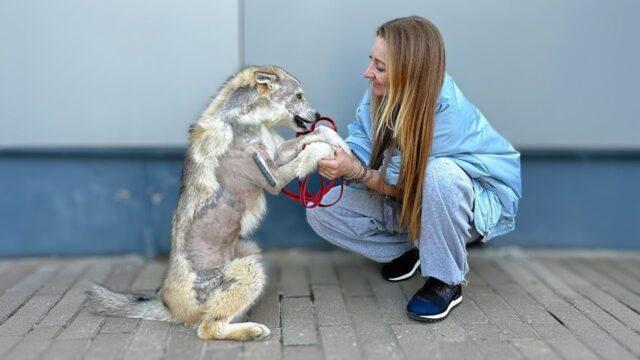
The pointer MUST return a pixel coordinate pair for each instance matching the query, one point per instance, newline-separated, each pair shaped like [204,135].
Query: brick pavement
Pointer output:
[334,305]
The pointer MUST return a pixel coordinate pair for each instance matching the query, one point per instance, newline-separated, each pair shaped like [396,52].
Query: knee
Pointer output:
[445,175]
[317,215]
[247,271]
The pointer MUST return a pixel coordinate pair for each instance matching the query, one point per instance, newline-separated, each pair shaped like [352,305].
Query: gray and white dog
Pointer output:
[234,153]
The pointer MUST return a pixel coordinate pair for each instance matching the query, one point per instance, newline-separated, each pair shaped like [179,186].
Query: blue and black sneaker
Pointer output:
[434,301]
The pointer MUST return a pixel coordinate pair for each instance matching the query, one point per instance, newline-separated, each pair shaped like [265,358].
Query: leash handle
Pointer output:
[307,199]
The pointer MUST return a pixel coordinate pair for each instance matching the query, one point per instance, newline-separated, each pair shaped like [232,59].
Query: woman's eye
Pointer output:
[380,70]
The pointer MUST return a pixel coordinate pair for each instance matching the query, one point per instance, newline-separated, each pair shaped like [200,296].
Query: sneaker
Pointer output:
[434,301]
[403,267]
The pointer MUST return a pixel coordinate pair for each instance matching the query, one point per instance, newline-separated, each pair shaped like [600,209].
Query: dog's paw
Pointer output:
[309,157]
[332,138]
[259,332]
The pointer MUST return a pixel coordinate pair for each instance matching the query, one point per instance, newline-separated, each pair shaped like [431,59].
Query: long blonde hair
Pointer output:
[405,115]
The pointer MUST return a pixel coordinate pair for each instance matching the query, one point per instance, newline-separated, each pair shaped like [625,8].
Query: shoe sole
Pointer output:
[407,275]
[436,317]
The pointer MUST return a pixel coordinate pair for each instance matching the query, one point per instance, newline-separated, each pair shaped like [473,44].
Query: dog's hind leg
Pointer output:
[225,304]
[246,247]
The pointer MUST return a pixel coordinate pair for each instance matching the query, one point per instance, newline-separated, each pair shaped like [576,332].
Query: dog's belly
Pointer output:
[211,238]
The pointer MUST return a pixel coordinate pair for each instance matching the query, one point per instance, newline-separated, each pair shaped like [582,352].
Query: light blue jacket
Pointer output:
[464,135]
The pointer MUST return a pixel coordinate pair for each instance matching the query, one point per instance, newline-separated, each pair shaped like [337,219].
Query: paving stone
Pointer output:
[224,349]
[457,350]
[339,342]
[14,297]
[391,299]
[267,310]
[19,271]
[601,308]
[224,354]
[7,342]
[71,303]
[84,326]
[298,322]
[149,340]
[116,325]
[588,332]
[123,274]
[28,315]
[513,294]
[67,349]
[494,350]
[632,267]
[309,352]
[563,341]
[184,343]
[150,278]
[534,349]
[63,279]
[617,301]
[447,331]
[619,276]
[329,305]
[468,312]
[294,280]
[33,345]
[374,337]
[321,270]
[504,317]
[416,340]
[107,346]
[517,305]
[269,349]
[353,280]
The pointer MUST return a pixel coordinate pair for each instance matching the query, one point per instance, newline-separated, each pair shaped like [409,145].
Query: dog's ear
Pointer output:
[264,78]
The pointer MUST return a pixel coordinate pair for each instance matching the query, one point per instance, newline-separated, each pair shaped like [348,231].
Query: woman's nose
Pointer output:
[368,73]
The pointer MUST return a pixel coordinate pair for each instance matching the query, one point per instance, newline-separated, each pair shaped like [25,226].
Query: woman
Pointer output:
[433,175]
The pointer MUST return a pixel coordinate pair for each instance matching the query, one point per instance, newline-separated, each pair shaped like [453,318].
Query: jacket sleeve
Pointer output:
[359,139]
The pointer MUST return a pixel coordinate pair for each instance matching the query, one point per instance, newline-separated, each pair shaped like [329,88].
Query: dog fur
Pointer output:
[214,275]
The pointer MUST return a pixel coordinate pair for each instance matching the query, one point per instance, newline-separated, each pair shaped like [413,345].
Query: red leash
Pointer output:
[306,198]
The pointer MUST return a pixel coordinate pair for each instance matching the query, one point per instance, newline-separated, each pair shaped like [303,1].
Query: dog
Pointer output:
[215,275]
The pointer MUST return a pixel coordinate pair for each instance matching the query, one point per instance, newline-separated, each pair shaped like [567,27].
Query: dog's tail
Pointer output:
[103,301]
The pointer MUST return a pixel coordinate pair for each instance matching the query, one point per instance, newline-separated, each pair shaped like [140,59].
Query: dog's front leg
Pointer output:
[271,177]
[289,149]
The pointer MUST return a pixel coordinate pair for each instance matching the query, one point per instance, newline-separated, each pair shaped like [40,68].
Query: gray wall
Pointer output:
[111,73]
[547,74]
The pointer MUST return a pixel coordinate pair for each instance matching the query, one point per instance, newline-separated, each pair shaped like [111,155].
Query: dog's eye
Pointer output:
[299,96]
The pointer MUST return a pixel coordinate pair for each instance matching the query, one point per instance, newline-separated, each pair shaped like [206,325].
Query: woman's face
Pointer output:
[377,69]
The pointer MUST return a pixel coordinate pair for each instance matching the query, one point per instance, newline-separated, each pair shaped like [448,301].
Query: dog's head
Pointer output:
[268,95]
[283,90]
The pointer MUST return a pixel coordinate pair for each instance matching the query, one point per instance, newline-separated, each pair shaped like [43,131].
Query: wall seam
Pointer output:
[241,39]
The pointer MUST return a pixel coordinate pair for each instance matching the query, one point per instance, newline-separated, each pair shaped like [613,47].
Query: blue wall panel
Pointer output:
[578,202]
[123,202]
[60,206]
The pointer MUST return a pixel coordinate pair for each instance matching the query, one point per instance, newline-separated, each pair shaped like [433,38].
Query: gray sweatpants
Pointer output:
[367,223]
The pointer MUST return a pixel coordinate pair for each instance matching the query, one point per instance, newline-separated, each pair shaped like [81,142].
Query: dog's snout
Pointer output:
[317,116]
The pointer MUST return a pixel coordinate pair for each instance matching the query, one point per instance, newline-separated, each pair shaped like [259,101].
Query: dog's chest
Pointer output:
[268,138]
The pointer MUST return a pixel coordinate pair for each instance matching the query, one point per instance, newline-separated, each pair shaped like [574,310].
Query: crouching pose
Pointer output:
[234,153]
[434,174]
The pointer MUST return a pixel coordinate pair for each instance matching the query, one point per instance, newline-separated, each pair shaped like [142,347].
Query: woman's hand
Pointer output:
[341,165]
